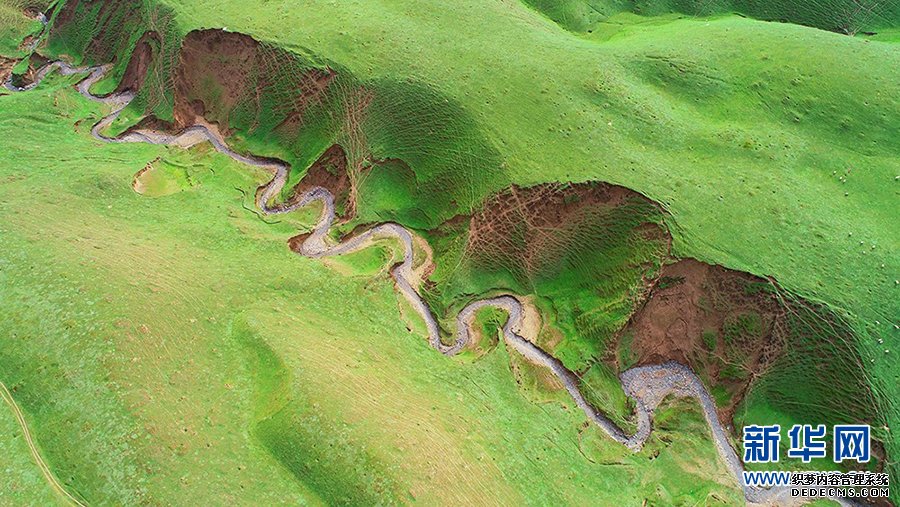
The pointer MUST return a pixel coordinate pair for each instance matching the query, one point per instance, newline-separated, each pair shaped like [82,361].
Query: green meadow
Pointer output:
[773,146]
[169,345]
[22,479]
[173,347]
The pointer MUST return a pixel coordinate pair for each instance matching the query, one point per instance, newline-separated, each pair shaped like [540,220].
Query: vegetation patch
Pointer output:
[159,178]
[444,155]
[586,249]
[843,16]
[760,350]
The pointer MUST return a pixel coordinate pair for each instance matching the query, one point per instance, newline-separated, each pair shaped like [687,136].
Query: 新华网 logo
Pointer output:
[849,442]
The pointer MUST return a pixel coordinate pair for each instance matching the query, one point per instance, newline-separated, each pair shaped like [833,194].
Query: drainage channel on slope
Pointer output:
[647,386]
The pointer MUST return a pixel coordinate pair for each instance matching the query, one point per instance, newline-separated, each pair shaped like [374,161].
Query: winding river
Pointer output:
[647,386]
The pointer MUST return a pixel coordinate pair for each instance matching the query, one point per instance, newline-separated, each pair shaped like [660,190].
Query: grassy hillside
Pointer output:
[21,478]
[843,16]
[164,347]
[14,25]
[767,144]
[743,130]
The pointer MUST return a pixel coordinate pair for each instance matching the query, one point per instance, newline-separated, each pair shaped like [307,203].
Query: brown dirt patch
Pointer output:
[153,123]
[32,10]
[35,62]
[548,205]
[530,226]
[328,171]
[66,13]
[718,321]
[26,42]
[219,71]
[6,67]
[140,61]
[223,58]
[295,242]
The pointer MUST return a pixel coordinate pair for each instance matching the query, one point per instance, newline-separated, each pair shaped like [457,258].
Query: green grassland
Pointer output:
[21,478]
[14,26]
[173,347]
[595,16]
[772,147]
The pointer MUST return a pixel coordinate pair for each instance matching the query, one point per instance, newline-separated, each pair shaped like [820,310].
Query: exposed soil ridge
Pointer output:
[139,63]
[240,81]
[718,321]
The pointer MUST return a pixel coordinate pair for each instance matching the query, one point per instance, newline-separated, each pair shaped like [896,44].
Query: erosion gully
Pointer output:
[647,386]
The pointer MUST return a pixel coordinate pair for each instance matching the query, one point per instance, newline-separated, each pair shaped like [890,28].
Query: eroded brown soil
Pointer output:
[26,42]
[549,204]
[66,13]
[35,62]
[32,10]
[718,321]
[153,123]
[239,71]
[531,226]
[330,172]
[141,59]
[6,67]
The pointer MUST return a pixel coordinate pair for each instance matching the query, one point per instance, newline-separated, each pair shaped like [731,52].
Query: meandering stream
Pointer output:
[647,386]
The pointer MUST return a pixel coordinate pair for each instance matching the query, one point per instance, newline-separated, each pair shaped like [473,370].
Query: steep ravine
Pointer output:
[647,386]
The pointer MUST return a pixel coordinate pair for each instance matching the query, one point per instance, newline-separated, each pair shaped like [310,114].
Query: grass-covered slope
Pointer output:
[172,347]
[21,478]
[772,145]
[767,145]
[16,22]
[844,16]
[738,127]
